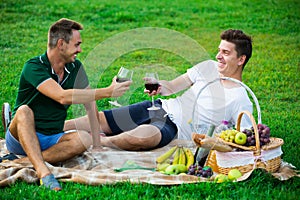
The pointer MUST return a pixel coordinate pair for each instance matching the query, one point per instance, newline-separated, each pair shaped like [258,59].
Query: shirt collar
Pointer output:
[44,59]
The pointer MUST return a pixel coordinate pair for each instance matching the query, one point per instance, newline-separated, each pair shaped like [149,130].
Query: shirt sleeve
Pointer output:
[35,74]
[81,81]
[205,71]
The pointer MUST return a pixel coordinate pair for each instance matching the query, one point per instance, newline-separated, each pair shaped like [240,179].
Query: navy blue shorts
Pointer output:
[129,117]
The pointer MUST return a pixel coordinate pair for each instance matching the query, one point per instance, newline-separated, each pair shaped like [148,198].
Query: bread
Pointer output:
[212,143]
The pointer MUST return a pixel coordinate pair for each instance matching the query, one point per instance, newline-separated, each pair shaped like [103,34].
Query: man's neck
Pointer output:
[231,84]
[56,62]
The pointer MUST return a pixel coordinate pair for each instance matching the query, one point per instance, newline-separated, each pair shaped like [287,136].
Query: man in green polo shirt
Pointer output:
[49,84]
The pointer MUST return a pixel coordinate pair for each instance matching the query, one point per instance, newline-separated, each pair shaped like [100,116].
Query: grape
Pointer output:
[199,171]
[266,140]
[192,170]
[263,132]
[249,139]
[267,130]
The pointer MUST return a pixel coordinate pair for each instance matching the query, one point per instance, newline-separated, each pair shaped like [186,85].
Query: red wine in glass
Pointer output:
[121,80]
[151,86]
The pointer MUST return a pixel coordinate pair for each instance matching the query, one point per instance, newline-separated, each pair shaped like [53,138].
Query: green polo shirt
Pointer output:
[49,115]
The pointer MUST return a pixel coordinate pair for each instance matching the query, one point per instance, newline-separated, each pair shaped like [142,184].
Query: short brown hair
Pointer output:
[62,29]
[243,42]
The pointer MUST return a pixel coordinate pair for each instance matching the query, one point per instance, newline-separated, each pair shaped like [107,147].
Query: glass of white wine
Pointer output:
[123,75]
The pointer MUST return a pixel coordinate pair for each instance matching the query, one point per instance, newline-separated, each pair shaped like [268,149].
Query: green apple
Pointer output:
[240,138]
[234,174]
[221,178]
[176,169]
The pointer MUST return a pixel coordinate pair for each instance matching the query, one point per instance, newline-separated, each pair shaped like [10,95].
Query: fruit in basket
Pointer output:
[263,132]
[234,174]
[240,138]
[228,135]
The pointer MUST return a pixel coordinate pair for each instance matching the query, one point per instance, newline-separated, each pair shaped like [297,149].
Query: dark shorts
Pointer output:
[129,117]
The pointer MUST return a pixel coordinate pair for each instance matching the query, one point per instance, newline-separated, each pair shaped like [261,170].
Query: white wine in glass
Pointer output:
[123,75]
[151,84]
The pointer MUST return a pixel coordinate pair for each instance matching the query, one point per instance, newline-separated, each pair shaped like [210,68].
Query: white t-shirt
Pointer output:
[214,103]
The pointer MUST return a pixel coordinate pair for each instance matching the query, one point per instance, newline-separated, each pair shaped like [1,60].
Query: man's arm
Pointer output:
[92,113]
[176,85]
[76,96]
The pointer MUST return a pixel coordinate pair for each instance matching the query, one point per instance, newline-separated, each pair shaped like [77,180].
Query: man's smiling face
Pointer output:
[229,64]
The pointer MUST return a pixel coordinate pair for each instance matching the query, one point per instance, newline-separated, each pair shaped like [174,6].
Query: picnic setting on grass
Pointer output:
[209,133]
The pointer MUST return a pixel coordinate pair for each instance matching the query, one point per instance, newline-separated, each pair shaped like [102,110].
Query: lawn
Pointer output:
[272,73]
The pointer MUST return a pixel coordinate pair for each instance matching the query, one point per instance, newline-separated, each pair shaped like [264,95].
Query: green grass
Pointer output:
[272,74]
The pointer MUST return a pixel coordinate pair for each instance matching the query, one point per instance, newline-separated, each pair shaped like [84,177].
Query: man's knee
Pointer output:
[79,139]
[24,112]
[145,136]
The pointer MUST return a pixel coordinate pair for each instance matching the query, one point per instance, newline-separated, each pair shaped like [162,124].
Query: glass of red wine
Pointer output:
[151,84]
[123,75]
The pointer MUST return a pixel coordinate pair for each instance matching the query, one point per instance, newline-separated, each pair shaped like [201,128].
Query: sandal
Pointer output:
[50,182]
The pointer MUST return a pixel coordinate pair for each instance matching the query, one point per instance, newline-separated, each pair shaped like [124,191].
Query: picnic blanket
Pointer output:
[95,168]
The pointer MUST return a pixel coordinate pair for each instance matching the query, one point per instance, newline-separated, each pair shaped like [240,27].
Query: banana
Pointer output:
[161,167]
[166,155]
[189,157]
[182,158]
[176,157]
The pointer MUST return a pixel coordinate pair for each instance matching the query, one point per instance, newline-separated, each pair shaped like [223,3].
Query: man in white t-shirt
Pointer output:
[205,100]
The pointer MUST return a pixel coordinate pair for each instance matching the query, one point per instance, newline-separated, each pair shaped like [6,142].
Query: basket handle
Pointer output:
[238,126]
[235,81]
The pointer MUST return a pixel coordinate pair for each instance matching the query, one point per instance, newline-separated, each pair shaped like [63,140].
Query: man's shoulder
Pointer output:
[207,63]
[37,62]
[34,60]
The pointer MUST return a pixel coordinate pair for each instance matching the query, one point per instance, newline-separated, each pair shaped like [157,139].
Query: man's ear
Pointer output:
[242,60]
[60,43]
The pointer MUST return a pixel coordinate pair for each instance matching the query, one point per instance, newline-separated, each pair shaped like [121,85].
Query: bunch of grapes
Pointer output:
[228,135]
[264,135]
[199,171]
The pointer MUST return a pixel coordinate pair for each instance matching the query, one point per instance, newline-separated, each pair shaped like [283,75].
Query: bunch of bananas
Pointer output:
[182,159]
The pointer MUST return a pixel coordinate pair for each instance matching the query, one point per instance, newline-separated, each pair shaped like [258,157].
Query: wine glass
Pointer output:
[123,75]
[151,84]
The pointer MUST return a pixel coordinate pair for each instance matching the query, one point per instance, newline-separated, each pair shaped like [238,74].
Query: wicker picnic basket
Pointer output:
[269,164]
[267,156]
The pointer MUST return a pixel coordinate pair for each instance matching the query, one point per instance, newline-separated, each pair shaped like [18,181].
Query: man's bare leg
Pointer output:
[69,145]
[23,129]
[81,123]
[141,138]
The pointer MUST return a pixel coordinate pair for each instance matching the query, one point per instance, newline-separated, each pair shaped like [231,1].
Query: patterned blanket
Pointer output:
[95,168]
